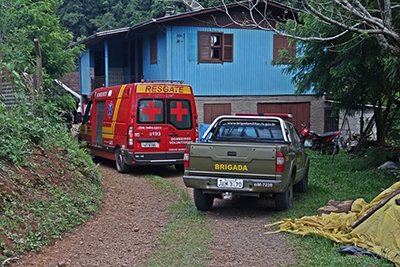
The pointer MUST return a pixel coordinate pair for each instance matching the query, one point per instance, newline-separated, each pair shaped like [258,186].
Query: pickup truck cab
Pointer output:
[246,156]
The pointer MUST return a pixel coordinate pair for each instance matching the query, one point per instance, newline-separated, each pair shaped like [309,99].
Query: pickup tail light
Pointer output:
[280,162]
[186,158]
[130,136]
[197,126]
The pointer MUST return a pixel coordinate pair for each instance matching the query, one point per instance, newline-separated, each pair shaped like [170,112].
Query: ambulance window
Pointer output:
[179,113]
[88,110]
[99,118]
[151,111]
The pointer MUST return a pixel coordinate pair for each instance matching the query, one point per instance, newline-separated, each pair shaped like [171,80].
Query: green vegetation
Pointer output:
[351,66]
[49,185]
[85,19]
[23,21]
[184,240]
[349,177]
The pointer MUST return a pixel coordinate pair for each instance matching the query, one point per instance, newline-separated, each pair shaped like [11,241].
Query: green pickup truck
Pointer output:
[246,156]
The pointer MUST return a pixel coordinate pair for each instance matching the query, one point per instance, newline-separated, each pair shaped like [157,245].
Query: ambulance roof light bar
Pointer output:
[163,81]
[281,115]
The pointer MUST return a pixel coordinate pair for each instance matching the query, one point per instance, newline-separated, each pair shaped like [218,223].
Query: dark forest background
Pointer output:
[85,17]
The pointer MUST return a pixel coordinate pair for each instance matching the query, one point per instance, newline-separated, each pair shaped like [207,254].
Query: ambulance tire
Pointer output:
[122,167]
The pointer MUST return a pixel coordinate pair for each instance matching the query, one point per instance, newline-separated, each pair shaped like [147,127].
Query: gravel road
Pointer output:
[123,232]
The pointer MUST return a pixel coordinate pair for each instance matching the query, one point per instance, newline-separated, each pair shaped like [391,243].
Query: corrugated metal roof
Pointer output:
[156,21]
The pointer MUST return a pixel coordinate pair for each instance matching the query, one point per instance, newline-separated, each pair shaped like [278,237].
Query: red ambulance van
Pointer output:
[140,123]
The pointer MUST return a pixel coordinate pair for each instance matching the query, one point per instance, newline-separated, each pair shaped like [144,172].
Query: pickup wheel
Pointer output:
[302,185]
[202,201]
[120,164]
[284,200]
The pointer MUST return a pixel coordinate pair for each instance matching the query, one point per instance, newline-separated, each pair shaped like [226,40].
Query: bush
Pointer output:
[26,124]
[49,183]
[378,155]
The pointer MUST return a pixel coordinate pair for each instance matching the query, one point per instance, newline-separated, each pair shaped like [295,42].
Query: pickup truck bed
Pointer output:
[247,156]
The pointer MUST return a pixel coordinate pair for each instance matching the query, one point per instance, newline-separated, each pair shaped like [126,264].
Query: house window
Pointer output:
[281,43]
[215,47]
[331,120]
[153,48]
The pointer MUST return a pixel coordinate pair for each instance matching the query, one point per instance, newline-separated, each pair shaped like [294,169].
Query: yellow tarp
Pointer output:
[379,233]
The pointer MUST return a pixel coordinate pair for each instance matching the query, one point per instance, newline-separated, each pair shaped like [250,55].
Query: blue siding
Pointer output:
[250,73]
[155,71]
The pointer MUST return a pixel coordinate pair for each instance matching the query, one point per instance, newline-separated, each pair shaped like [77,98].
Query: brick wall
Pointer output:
[72,81]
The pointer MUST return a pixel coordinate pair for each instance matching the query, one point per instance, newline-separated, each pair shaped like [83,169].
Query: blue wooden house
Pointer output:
[229,67]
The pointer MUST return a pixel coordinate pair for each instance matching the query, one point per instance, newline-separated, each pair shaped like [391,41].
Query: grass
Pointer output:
[185,238]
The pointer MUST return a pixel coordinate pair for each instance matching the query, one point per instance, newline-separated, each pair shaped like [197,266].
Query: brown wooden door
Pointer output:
[211,111]
[299,111]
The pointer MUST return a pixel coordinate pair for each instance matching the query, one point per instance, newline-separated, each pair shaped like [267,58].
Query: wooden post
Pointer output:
[372,210]
[39,74]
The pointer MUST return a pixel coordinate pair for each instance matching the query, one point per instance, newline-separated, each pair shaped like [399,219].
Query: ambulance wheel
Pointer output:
[122,167]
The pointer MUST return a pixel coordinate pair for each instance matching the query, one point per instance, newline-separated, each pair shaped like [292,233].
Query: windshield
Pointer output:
[249,131]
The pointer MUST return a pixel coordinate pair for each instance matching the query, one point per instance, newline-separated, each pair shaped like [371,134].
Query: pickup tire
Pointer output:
[302,185]
[284,200]
[120,164]
[202,201]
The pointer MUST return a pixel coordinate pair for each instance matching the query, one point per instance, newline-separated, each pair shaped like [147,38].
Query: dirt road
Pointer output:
[122,233]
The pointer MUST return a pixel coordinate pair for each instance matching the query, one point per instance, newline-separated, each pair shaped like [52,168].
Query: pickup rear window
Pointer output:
[249,132]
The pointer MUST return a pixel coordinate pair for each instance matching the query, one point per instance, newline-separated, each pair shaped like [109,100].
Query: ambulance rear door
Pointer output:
[151,131]
[165,124]
[181,125]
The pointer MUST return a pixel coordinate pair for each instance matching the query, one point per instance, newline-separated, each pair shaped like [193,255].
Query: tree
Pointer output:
[26,20]
[85,18]
[352,73]
[76,16]
[378,19]
[347,52]
[361,42]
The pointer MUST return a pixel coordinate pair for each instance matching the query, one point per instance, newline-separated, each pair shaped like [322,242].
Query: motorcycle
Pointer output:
[327,142]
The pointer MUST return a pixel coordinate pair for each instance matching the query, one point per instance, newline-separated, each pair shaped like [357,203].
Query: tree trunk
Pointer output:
[380,126]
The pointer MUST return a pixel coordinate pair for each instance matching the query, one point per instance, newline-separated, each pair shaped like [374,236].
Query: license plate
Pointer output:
[150,145]
[263,185]
[230,183]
